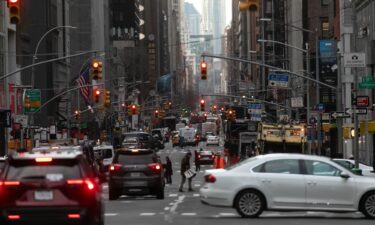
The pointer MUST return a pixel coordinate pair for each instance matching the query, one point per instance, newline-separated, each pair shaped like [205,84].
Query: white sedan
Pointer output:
[212,140]
[288,182]
[350,164]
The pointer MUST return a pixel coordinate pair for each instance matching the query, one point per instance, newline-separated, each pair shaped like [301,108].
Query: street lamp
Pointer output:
[37,47]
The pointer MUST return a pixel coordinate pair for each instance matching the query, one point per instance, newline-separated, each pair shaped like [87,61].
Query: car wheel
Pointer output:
[367,205]
[249,203]
[113,194]
[160,194]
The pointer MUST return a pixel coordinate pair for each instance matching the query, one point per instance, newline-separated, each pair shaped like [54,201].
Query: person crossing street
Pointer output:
[185,165]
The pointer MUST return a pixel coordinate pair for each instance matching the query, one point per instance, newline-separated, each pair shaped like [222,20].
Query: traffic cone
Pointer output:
[221,162]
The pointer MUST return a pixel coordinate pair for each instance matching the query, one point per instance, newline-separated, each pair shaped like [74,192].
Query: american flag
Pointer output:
[83,80]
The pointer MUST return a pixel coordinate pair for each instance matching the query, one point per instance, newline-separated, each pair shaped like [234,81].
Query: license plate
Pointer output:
[136,183]
[135,174]
[43,195]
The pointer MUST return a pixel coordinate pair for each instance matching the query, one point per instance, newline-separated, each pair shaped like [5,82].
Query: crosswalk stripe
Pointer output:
[147,214]
[110,214]
[188,214]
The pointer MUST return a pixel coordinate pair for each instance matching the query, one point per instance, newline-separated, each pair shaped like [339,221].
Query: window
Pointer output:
[287,166]
[324,2]
[324,26]
[321,169]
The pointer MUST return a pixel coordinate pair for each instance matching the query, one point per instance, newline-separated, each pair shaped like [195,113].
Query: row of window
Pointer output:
[295,166]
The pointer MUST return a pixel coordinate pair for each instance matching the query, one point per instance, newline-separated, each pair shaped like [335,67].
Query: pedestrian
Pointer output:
[168,170]
[196,160]
[185,165]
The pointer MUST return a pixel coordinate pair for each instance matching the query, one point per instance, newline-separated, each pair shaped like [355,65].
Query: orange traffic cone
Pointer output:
[221,163]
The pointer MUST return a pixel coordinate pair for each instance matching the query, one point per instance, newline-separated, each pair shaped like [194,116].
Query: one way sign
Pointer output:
[340,115]
[359,111]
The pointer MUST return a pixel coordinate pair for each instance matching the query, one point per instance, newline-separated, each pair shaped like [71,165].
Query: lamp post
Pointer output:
[37,48]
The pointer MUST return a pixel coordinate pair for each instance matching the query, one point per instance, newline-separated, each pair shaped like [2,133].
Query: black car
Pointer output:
[44,188]
[146,140]
[136,172]
[2,163]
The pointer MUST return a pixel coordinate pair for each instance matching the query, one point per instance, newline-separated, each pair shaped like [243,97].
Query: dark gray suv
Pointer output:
[136,172]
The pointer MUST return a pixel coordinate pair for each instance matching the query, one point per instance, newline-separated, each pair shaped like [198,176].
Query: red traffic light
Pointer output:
[134,106]
[13,1]
[97,92]
[202,101]
[203,70]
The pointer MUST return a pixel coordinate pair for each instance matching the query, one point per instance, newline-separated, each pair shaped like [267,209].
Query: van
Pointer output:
[106,153]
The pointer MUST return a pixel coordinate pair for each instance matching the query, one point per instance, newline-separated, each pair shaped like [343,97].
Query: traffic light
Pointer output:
[203,70]
[133,110]
[96,69]
[252,5]
[14,11]
[203,105]
[156,113]
[107,99]
[230,114]
[26,102]
[97,95]
[77,114]
[214,108]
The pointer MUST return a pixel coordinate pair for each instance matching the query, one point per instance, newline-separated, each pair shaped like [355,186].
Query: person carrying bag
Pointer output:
[186,172]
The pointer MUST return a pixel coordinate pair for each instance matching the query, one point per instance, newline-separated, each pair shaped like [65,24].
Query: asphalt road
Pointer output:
[185,208]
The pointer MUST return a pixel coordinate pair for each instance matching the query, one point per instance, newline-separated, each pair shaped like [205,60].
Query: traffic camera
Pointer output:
[14,11]
[203,105]
[203,70]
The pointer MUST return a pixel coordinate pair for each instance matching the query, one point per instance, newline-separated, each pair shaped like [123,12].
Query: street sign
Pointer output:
[362,101]
[368,82]
[340,115]
[313,120]
[359,111]
[6,118]
[34,98]
[320,107]
[21,119]
[297,102]
[326,116]
[278,80]
[255,111]
[354,60]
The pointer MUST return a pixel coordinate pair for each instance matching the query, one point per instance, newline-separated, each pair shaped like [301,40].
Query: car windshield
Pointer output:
[127,159]
[107,153]
[130,141]
[57,171]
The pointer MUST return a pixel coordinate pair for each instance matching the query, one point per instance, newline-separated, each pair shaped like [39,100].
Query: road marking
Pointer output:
[188,214]
[227,214]
[110,214]
[147,214]
[173,195]
[175,205]
[196,195]
[166,208]
[197,185]
[126,202]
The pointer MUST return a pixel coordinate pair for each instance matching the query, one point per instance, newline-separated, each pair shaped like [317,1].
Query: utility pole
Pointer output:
[308,93]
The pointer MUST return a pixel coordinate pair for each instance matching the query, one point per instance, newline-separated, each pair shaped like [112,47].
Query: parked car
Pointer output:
[212,140]
[59,186]
[136,172]
[289,182]
[350,165]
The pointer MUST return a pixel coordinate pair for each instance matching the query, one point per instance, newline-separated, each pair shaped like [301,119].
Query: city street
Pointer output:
[186,209]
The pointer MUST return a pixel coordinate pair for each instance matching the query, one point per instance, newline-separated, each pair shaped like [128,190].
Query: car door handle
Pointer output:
[266,180]
[311,182]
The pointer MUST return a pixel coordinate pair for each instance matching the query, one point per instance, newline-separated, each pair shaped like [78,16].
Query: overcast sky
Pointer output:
[228,6]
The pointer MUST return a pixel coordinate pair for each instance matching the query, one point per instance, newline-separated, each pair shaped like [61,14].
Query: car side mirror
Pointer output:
[344,175]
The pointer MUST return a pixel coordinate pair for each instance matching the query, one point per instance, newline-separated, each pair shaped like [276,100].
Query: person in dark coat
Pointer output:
[196,160]
[168,170]
[185,165]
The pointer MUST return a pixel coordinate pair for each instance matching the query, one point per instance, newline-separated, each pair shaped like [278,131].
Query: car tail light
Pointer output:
[115,167]
[74,216]
[155,167]
[210,178]
[88,183]
[43,159]
[9,183]
[14,217]
[199,156]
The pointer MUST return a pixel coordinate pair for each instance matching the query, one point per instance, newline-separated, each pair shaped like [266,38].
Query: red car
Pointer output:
[50,188]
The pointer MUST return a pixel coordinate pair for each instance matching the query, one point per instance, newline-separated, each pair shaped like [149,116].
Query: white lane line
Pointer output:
[227,214]
[197,185]
[196,195]
[166,208]
[175,205]
[171,203]
[147,214]
[173,195]
[110,214]
[188,214]
[126,202]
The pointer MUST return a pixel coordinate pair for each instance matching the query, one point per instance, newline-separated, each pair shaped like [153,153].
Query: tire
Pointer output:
[249,203]
[160,194]
[367,205]
[113,194]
